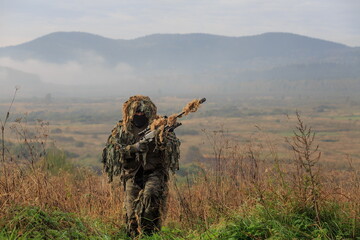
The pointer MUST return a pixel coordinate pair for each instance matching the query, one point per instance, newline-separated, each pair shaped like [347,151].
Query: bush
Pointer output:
[34,223]
[56,161]
[265,223]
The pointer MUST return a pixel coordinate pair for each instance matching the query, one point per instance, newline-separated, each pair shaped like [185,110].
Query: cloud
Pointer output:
[92,71]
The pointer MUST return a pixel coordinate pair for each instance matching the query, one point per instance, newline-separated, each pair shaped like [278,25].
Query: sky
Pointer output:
[334,20]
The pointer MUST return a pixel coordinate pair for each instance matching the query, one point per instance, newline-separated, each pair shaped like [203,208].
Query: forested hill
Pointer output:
[194,51]
[282,60]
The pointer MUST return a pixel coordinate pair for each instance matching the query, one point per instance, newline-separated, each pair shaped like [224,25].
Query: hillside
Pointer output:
[217,62]
[10,78]
[170,50]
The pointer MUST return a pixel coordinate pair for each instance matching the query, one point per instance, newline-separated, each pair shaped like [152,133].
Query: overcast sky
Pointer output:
[335,20]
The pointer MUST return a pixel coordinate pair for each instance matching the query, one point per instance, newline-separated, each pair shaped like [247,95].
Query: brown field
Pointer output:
[245,142]
[82,127]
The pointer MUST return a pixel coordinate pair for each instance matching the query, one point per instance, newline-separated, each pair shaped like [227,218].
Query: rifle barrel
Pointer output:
[178,116]
[201,101]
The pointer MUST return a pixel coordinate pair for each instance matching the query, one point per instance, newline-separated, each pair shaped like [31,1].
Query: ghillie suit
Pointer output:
[144,175]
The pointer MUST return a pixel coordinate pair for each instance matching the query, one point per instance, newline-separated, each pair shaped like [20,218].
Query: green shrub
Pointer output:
[263,223]
[56,160]
[33,223]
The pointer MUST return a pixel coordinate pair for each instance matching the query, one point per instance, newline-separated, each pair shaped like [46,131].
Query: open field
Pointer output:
[81,127]
[239,177]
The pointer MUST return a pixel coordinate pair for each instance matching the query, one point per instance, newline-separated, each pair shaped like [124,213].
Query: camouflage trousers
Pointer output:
[145,202]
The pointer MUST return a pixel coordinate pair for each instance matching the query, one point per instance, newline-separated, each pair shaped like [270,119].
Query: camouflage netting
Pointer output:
[158,122]
[137,103]
[111,153]
[192,106]
[172,120]
[172,152]
[117,149]
[144,174]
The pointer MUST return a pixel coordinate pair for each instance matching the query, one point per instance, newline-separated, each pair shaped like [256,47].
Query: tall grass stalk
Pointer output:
[3,127]
[306,157]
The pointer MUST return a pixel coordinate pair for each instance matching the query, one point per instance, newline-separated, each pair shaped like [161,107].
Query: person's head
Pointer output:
[139,111]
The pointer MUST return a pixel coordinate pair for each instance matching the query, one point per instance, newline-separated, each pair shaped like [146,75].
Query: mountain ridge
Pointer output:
[169,51]
[58,33]
[169,61]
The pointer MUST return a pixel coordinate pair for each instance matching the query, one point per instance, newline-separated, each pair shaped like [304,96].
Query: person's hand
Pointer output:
[140,147]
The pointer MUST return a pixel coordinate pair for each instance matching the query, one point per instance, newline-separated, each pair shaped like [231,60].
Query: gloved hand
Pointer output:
[140,147]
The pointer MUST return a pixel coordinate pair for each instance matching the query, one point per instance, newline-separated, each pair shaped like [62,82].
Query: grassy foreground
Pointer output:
[33,223]
[259,223]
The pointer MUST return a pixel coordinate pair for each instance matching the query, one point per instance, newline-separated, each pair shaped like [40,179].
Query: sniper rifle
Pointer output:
[148,135]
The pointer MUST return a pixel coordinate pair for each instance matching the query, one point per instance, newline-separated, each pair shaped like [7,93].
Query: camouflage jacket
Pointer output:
[119,161]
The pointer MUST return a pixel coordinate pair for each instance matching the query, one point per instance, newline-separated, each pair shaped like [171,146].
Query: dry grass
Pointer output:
[82,192]
[239,179]
[254,168]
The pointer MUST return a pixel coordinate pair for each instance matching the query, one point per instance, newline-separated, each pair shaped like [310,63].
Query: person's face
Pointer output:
[140,119]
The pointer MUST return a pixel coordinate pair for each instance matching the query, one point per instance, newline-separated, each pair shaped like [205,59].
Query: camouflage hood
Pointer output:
[141,103]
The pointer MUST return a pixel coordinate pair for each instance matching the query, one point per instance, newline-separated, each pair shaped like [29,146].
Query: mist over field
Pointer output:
[75,64]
